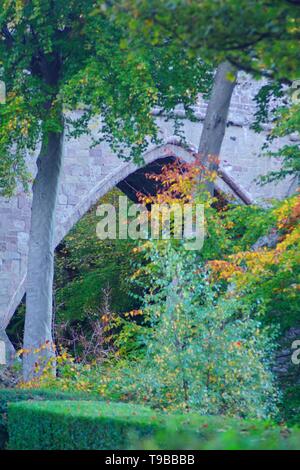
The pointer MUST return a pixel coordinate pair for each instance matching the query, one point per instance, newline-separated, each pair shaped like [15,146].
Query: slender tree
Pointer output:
[214,125]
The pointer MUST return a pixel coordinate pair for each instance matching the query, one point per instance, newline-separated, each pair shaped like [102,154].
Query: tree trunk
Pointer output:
[216,117]
[7,350]
[38,320]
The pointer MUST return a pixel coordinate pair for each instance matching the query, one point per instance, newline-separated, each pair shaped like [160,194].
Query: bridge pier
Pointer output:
[7,350]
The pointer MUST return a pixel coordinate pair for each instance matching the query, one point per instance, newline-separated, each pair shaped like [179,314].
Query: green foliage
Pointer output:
[291,405]
[267,278]
[15,395]
[85,265]
[65,55]
[275,104]
[203,352]
[92,279]
[92,288]
[219,355]
[251,34]
[224,364]
[219,433]
[81,425]
[245,225]
[274,276]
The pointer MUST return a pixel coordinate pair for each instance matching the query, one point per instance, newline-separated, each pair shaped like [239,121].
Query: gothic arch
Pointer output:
[104,185]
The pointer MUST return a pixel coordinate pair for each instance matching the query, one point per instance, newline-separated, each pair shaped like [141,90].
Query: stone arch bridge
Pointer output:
[89,173]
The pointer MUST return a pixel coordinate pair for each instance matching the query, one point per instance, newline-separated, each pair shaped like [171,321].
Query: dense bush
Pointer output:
[91,425]
[15,395]
[204,352]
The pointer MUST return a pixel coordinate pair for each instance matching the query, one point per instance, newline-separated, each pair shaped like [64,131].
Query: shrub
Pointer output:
[68,425]
[16,395]
[205,352]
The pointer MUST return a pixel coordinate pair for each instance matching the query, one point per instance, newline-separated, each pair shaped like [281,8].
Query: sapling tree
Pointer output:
[204,352]
[56,56]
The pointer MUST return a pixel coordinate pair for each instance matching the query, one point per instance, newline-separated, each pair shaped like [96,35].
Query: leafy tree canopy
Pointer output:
[65,54]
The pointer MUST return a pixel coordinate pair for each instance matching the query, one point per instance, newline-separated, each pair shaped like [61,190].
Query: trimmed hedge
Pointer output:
[79,425]
[70,425]
[16,395]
